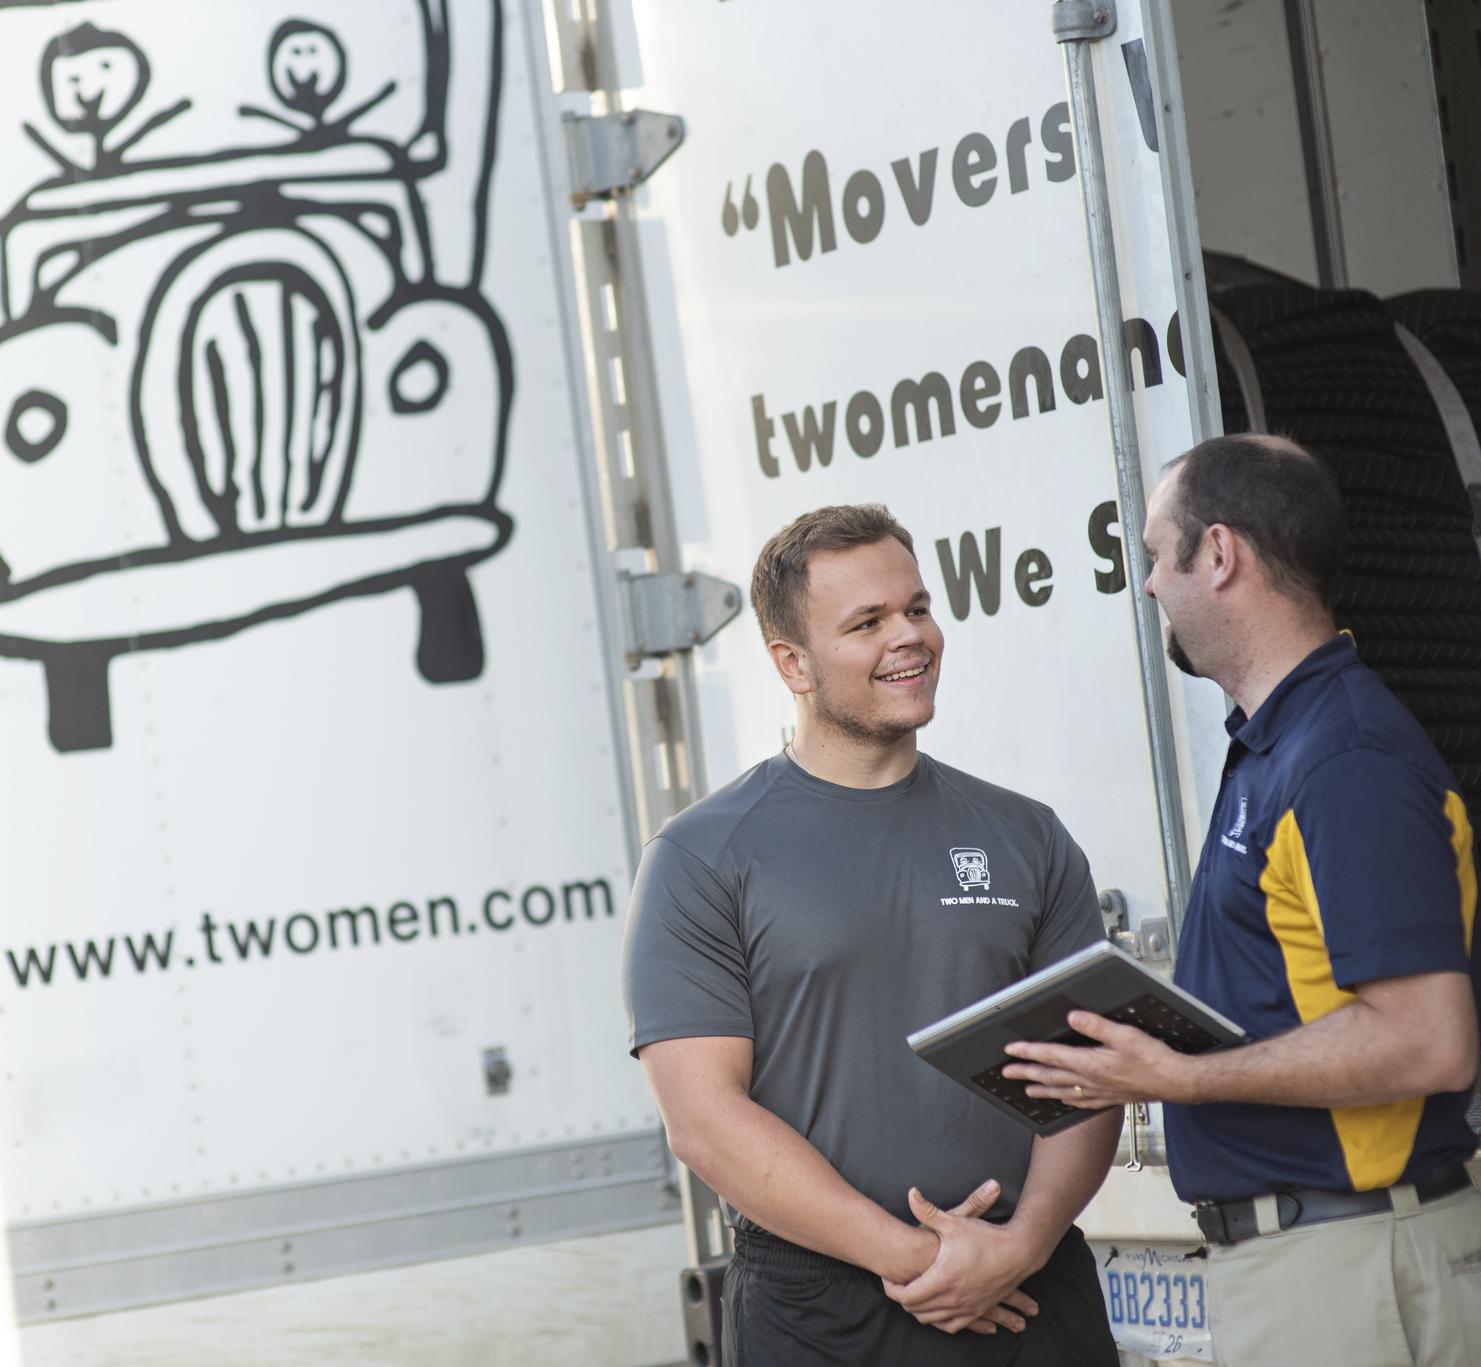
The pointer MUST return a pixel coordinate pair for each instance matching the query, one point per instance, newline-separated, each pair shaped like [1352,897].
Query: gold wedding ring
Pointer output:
[1079,1092]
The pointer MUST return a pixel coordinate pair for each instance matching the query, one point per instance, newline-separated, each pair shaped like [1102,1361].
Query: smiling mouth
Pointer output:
[900,674]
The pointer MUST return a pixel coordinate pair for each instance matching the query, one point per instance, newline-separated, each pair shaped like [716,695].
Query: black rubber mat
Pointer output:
[1334,376]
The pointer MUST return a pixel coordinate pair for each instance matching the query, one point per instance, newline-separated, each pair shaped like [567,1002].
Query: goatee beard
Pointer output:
[1179,656]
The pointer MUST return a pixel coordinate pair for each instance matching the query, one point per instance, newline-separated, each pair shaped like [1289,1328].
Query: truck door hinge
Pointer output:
[663,613]
[610,152]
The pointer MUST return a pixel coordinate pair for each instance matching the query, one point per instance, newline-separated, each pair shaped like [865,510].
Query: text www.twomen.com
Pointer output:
[221,940]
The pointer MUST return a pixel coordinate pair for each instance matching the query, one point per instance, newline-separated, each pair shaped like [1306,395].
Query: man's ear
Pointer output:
[1227,553]
[791,663]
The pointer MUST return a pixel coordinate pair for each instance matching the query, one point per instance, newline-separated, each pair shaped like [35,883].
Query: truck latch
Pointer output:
[1151,941]
[662,613]
[611,152]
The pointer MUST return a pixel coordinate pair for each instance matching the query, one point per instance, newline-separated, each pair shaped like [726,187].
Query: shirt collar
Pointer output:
[1287,698]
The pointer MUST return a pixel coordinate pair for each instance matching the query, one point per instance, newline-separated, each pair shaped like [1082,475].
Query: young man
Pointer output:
[790,930]
[1332,916]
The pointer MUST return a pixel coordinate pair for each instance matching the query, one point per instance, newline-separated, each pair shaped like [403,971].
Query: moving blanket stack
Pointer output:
[1330,371]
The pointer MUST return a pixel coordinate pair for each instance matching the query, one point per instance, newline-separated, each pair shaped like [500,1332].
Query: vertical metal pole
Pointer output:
[1316,145]
[1076,26]
[661,706]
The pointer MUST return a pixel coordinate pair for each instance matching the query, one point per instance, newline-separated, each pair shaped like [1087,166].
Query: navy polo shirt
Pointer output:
[1339,852]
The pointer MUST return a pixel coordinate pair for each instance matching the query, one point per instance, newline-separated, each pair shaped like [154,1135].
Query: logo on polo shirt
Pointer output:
[970,866]
[1231,839]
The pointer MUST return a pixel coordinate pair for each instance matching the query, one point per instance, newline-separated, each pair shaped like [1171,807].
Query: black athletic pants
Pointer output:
[785,1306]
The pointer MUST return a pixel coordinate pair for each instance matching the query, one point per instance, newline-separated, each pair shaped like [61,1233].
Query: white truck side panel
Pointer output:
[385,886]
[844,226]
[302,769]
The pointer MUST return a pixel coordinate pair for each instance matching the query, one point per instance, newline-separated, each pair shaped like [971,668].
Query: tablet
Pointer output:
[968,1045]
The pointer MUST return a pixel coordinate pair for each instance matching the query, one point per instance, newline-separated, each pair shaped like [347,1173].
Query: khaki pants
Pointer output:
[1398,1289]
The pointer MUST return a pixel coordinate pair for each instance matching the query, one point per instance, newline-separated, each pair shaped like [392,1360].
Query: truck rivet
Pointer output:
[498,1072]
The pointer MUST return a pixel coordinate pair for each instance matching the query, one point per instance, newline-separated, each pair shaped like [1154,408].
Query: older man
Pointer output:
[1332,916]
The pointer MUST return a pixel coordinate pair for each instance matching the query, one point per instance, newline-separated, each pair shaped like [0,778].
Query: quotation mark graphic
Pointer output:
[749,212]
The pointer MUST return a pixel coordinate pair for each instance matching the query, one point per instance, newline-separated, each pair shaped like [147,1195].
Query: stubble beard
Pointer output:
[856,728]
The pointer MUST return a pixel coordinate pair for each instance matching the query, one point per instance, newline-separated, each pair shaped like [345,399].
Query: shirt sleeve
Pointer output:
[1383,856]
[683,963]
[1071,916]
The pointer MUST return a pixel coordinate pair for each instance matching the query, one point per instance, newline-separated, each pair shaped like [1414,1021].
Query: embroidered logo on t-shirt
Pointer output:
[970,866]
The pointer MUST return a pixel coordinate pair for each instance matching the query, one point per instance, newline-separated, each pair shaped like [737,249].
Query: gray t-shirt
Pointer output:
[825,924]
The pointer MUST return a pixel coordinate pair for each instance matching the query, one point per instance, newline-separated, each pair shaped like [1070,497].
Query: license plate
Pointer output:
[1156,1299]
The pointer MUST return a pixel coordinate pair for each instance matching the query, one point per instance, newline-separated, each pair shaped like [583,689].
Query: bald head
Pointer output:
[1276,495]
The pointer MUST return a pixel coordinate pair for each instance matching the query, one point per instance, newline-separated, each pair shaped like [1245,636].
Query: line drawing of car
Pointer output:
[235,385]
[970,866]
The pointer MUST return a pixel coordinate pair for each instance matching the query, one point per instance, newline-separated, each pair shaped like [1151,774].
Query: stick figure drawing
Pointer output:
[307,70]
[91,81]
[241,374]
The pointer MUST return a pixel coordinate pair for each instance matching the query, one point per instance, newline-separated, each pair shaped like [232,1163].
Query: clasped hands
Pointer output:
[973,1282]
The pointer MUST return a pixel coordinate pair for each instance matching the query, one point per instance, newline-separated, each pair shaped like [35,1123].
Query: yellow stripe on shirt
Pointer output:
[1461,840]
[1376,1140]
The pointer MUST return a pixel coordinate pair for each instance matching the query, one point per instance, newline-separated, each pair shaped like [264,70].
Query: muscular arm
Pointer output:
[1065,1171]
[1401,1038]
[763,1167]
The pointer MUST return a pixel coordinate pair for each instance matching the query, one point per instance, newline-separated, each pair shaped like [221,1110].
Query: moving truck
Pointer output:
[395,398]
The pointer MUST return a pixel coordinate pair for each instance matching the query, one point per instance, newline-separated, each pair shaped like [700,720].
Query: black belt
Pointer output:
[1228,1222]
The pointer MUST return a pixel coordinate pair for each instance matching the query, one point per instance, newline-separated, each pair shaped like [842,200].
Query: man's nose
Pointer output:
[909,632]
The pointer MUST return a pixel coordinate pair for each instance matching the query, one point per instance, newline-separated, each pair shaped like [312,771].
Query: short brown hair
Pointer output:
[779,581]
[1274,492]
